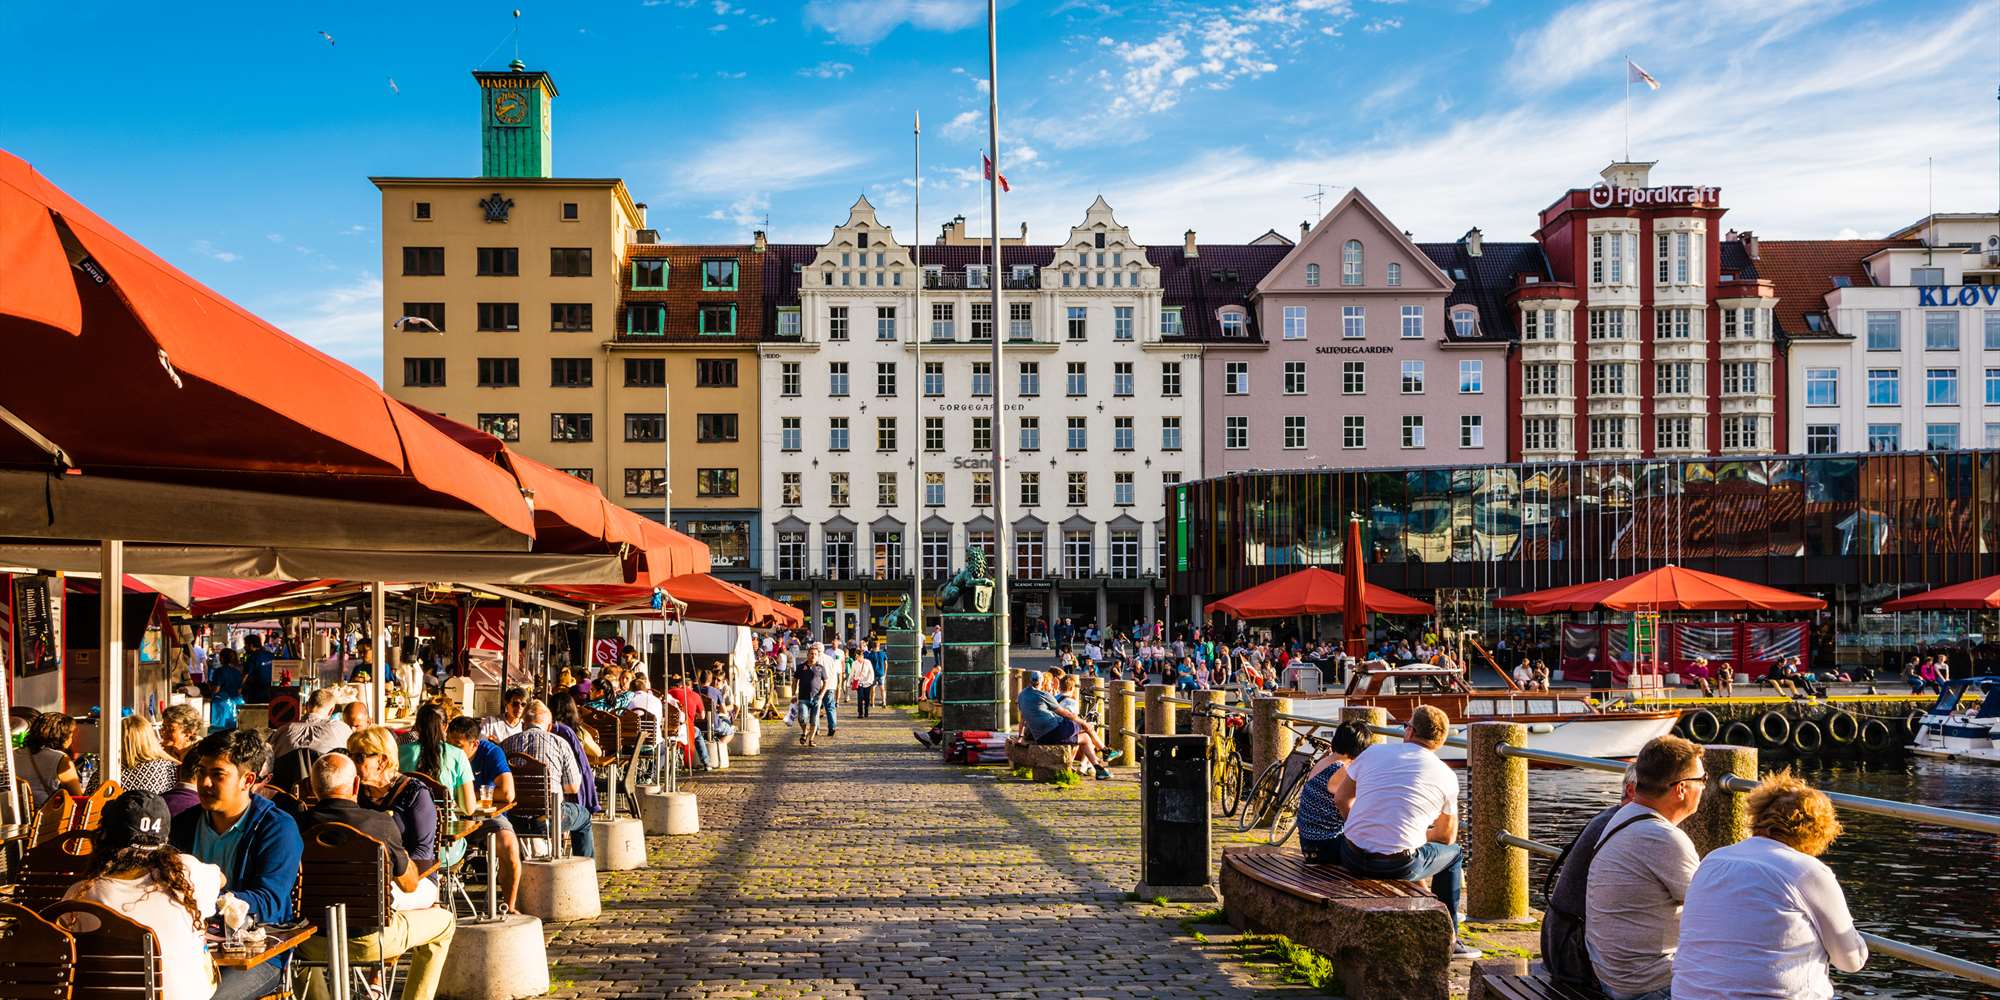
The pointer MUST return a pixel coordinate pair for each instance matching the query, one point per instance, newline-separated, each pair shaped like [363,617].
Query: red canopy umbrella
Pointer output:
[705,599]
[1971,595]
[1314,591]
[1353,603]
[1668,588]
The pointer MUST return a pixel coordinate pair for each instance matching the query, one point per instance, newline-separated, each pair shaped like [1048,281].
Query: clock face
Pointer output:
[509,107]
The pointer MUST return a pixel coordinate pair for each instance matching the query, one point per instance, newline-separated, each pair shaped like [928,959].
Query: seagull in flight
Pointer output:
[419,323]
[329,38]
[392,86]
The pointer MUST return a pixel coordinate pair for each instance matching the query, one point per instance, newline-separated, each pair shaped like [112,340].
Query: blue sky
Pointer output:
[236,141]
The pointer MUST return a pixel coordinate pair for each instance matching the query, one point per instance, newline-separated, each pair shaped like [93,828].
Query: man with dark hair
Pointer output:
[1641,871]
[255,844]
[490,770]
[513,707]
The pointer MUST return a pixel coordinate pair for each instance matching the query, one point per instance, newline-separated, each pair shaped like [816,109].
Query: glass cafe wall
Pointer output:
[1853,529]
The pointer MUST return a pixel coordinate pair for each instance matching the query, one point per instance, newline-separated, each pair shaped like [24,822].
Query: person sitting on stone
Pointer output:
[1319,819]
[1046,722]
[1640,874]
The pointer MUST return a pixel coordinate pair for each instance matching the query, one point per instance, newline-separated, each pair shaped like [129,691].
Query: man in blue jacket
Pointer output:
[255,844]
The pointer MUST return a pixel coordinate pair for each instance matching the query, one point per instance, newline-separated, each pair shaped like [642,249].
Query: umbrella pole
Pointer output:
[378,618]
[110,658]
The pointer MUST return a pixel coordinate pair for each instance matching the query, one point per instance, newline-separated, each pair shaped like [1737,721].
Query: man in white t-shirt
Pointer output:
[1401,804]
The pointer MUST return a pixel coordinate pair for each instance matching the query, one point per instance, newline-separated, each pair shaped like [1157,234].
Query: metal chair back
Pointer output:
[49,868]
[41,957]
[342,866]
[537,796]
[116,956]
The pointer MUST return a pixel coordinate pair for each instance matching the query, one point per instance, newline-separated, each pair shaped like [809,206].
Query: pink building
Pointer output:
[1361,348]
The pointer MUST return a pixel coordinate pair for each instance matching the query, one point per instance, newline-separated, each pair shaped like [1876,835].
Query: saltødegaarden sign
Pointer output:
[1962,295]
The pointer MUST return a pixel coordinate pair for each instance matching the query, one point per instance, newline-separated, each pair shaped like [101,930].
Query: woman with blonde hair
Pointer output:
[1764,917]
[148,767]
[384,786]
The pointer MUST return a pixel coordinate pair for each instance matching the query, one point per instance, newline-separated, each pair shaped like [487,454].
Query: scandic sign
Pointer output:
[1963,295]
[1603,195]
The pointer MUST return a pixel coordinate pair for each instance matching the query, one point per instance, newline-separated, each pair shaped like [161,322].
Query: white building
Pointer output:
[1101,418]
[1895,343]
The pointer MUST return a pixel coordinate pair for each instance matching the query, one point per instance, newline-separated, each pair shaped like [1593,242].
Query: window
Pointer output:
[941,322]
[1413,322]
[1940,331]
[1077,553]
[715,373]
[499,316]
[569,262]
[420,262]
[1121,323]
[976,276]
[836,323]
[646,319]
[645,373]
[1079,489]
[1673,323]
[982,434]
[1121,434]
[1743,324]
[1029,561]
[1608,433]
[1020,321]
[1673,433]
[1885,331]
[1353,378]
[788,378]
[1121,378]
[501,262]
[1295,432]
[1822,387]
[1675,378]
[1739,378]
[1076,381]
[1607,324]
[936,555]
[982,321]
[569,317]
[888,548]
[885,433]
[1413,431]
[1471,430]
[715,482]
[587,475]
[570,212]
[1235,323]
[836,434]
[1353,322]
[1078,433]
[885,490]
[1993,387]
[1941,387]
[1125,554]
[1353,431]
[1031,489]
[570,427]
[1539,434]
[1122,489]
[569,373]
[933,378]
[649,274]
[1077,320]
[1607,379]
[1312,275]
[933,433]
[1884,387]
[1464,322]
[792,550]
[498,373]
[1236,378]
[788,323]
[646,427]
[421,211]
[433,312]
[1926,276]
[1031,378]
[1395,276]
[1236,432]
[933,489]
[789,436]
[1350,263]
[1031,433]
[1540,379]
[1471,377]
[1170,433]
[1940,437]
[885,378]
[716,318]
[1992,331]
[1740,433]
[1672,258]
[505,426]
[1295,378]
[1170,378]
[1822,439]
[718,275]
[1295,322]
[1170,321]
[836,378]
[790,493]
[1885,437]
[1538,324]
[838,548]
[982,378]
[1413,377]
[836,484]
[645,482]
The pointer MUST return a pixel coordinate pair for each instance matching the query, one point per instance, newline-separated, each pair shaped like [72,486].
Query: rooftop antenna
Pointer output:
[1318,198]
[517,36]
[1930,207]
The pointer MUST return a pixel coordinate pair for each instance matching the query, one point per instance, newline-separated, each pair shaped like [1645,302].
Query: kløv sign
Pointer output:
[1962,295]
[1603,195]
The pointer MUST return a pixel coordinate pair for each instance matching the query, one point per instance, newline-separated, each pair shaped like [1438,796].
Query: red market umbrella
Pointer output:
[1668,588]
[1971,595]
[1313,591]
[1354,605]
[703,598]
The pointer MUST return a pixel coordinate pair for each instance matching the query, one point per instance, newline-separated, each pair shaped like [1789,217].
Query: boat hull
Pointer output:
[1616,735]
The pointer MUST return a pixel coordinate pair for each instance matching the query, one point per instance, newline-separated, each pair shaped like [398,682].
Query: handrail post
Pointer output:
[1270,740]
[1093,701]
[1215,724]
[1016,680]
[1159,714]
[1496,877]
[1118,723]
[1367,717]
[1723,818]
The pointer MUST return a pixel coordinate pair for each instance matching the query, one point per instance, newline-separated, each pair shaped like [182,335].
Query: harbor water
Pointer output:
[1927,885]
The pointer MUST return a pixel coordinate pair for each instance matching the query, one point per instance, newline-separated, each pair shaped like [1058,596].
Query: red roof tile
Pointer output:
[1803,271]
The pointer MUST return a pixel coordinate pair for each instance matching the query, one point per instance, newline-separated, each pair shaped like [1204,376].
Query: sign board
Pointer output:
[36,613]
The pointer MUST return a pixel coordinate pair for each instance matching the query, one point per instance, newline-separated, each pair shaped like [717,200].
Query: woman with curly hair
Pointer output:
[1764,917]
[43,759]
[135,871]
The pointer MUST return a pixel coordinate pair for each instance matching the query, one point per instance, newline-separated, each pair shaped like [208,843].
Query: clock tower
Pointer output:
[514,122]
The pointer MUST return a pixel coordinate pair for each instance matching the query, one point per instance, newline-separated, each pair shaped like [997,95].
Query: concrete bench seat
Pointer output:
[1534,984]
[1386,940]
[1047,762]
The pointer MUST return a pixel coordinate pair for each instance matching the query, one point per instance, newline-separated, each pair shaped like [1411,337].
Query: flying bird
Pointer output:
[407,323]
[392,86]
[329,38]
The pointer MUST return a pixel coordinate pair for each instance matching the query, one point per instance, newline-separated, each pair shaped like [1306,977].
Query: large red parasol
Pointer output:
[1668,588]
[1313,591]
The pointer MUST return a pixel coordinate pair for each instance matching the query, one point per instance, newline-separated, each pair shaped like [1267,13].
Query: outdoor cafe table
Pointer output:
[272,948]
[463,828]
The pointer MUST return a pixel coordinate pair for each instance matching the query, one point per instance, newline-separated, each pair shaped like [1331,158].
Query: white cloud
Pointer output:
[344,321]
[961,125]
[275,237]
[1381,24]
[1590,36]
[828,70]
[718,27]
[774,155]
[864,22]
[213,252]
[749,210]
[724,9]
[727,75]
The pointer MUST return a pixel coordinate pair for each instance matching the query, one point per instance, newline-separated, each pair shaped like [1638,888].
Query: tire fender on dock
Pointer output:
[1842,727]
[1807,737]
[1739,734]
[1774,729]
[1702,726]
[1911,723]
[1875,735]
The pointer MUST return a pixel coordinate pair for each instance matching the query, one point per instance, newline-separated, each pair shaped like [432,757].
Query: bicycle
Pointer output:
[1232,767]
[1274,798]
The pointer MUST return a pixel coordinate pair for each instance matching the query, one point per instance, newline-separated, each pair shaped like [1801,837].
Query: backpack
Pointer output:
[1564,951]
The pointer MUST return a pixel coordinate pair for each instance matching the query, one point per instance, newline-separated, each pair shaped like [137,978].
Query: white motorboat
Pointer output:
[1962,724]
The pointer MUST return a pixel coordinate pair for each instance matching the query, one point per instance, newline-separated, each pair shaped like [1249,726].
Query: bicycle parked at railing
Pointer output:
[1273,801]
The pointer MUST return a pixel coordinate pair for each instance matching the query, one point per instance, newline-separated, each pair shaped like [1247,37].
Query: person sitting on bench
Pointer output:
[1048,723]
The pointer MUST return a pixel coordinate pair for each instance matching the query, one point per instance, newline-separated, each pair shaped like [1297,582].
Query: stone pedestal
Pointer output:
[620,843]
[905,666]
[559,891]
[749,738]
[973,683]
[671,814]
[496,960]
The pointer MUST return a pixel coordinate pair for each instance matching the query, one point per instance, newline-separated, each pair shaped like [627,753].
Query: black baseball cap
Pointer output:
[133,818]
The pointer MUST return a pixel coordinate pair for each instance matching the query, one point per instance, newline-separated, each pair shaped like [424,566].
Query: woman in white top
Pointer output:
[137,873]
[148,766]
[1764,918]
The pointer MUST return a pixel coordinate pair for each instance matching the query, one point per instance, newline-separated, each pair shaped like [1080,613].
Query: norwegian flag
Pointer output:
[987,162]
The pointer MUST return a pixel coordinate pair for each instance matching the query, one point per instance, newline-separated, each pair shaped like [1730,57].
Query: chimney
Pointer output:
[1475,242]
[1187,246]
[1304,228]
[1749,240]
[641,206]
[758,242]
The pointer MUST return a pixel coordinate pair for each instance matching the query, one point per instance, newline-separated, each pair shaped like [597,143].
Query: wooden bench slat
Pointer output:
[1533,986]
[1292,874]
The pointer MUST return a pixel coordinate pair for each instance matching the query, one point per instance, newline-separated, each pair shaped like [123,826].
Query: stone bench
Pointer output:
[1492,982]
[1046,762]
[1386,940]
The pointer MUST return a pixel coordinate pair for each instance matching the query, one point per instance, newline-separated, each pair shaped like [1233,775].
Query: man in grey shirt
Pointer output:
[317,730]
[1640,875]
[538,742]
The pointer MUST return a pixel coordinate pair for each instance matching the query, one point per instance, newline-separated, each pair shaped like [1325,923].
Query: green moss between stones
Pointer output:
[1295,962]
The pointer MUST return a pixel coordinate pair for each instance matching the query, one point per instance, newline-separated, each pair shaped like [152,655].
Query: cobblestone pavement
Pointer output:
[865,868]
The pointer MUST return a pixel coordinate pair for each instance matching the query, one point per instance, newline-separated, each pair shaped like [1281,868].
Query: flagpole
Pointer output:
[916,435]
[1001,703]
[1628,108]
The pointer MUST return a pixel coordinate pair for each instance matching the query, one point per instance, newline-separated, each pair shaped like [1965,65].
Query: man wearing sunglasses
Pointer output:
[1640,875]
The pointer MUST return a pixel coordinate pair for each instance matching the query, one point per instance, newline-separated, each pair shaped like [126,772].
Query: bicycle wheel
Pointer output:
[1229,783]
[1285,815]
[1261,797]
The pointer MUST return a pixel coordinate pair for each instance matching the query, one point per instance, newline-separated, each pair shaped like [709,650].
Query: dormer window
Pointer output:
[1816,322]
[1842,281]
[1100,239]
[1350,263]
[1465,322]
[861,239]
[1235,323]
[976,276]
[1312,275]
